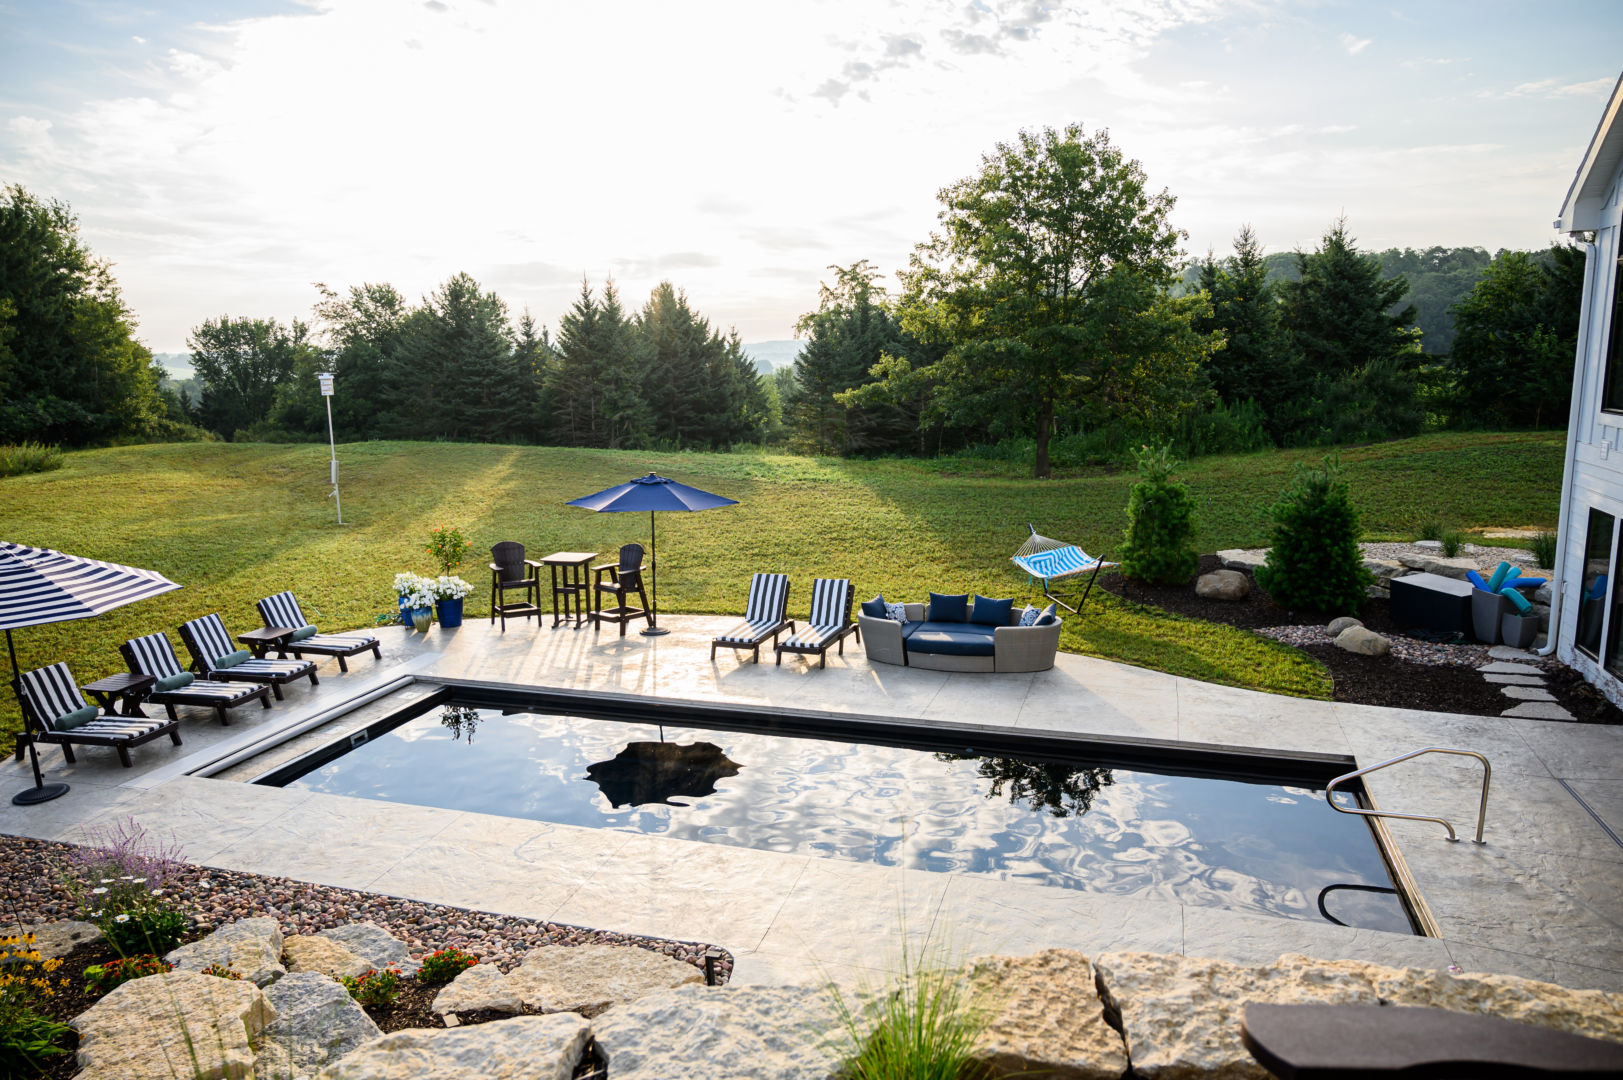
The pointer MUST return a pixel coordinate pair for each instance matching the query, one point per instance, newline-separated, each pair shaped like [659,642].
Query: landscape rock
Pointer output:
[317,1023]
[523,1048]
[590,978]
[1337,625]
[482,986]
[312,952]
[250,947]
[1046,1018]
[56,939]
[1436,564]
[1364,642]
[1375,592]
[1538,710]
[1429,545]
[373,944]
[1543,595]
[1384,569]
[1242,559]
[1181,1015]
[176,1024]
[711,1032]
[1223,585]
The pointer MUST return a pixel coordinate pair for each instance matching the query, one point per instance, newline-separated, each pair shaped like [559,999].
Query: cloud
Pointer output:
[970,44]
[435,5]
[1552,88]
[899,45]
[1354,45]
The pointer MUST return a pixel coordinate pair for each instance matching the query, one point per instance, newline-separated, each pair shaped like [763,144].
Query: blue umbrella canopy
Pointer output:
[651,493]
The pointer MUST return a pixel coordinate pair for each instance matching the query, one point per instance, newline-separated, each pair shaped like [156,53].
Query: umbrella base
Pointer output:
[653,631]
[44,793]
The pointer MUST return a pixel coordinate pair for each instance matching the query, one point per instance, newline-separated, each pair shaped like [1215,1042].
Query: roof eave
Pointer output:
[1605,148]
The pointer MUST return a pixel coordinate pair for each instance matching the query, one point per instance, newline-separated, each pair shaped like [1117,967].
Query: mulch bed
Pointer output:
[1448,682]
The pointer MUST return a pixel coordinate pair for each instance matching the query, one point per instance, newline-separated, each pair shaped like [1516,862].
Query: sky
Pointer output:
[226,156]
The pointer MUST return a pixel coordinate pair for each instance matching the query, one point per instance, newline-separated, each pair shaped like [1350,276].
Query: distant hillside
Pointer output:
[770,355]
[178,364]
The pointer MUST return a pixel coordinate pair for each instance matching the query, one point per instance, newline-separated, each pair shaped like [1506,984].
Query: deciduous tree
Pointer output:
[241,363]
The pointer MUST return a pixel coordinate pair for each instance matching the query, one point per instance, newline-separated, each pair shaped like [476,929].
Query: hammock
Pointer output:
[1049,561]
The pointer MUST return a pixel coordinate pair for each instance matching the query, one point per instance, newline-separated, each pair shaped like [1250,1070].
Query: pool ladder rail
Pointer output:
[1482,809]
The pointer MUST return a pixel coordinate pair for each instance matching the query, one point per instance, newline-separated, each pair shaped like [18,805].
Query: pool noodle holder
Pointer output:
[1488,617]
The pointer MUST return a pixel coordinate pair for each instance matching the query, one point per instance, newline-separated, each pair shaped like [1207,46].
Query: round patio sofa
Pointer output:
[944,635]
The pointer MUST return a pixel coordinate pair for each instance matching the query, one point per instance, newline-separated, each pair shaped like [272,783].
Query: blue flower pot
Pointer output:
[405,613]
[416,612]
[450,612]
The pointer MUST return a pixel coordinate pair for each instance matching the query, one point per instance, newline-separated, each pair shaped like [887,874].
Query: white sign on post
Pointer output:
[325,379]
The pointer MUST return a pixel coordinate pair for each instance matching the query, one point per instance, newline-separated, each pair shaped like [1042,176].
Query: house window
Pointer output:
[1612,400]
[1592,597]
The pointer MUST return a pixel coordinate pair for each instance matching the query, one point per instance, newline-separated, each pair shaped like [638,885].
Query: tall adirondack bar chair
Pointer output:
[511,572]
[625,577]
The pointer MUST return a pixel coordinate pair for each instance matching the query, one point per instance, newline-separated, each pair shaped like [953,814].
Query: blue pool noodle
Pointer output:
[1525,583]
[1476,579]
[1517,600]
[1498,578]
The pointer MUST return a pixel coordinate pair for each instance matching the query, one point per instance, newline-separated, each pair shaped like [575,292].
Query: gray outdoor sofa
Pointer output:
[959,644]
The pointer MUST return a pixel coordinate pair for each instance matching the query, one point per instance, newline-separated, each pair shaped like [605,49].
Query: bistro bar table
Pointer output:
[569,583]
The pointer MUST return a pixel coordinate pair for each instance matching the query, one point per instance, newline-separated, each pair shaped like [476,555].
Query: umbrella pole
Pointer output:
[653,629]
[41,791]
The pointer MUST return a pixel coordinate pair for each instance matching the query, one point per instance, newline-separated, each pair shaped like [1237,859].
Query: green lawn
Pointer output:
[234,522]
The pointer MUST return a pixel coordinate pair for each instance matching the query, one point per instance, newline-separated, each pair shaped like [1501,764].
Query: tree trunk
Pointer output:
[1045,425]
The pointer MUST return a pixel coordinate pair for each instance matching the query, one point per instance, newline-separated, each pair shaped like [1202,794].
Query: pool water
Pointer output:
[1257,847]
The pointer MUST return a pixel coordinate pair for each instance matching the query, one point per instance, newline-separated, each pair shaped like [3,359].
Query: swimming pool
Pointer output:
[1271,847]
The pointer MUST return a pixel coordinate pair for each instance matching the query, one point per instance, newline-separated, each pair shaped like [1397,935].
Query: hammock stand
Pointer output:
[1048,561]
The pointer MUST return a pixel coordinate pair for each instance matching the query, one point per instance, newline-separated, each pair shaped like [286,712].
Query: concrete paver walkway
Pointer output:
[1543,898]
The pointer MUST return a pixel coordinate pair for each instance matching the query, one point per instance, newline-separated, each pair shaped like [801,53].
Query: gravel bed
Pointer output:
[1485,555]
[29,893]
[1415,651]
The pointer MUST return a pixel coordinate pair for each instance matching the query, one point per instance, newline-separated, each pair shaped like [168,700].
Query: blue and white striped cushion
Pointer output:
[1058,563]
[335,641]
[153,655]
[53,692]
[831,602]
[210,635]
[769,598]
[119,726]
[282,610]
[748,633]
[814,637]
[226,692]
[271,668]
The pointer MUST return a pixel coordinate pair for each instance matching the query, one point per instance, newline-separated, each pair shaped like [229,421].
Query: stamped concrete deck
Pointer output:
[1542,898]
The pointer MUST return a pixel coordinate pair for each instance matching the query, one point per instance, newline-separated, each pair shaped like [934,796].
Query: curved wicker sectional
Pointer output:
[1015,648]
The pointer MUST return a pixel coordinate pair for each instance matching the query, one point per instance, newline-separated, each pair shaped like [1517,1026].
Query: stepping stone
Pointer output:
[1506,652]
[1514,680]
[1503,668]
[1538,710]
[1527,693]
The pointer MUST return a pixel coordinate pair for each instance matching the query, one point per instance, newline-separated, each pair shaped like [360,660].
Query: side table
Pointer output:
[569,582]
[262,641]
[125,691]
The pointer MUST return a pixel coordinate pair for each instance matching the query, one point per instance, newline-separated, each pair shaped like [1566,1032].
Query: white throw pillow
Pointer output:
[896,612]
[1028,617]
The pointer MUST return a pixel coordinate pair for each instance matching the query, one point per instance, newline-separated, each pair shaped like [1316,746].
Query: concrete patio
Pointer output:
[1542,898]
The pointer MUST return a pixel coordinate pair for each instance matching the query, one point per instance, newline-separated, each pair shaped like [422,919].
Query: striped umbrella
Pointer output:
[39,586]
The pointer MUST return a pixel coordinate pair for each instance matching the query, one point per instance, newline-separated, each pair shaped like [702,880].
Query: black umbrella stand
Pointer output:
[653,629]
[41,791]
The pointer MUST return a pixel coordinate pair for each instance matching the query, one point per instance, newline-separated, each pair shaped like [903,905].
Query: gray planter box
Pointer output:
[1519,631]
[1487,609]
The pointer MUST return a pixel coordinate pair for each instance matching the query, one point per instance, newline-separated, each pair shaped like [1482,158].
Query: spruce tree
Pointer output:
[1314,563]
[1340,313]
[1256,363]
[457,375]
[1159,544]
[851,330]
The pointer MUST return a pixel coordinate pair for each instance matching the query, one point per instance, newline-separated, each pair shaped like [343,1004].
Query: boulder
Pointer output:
[482,986]
[1223,585]
[1436,564]
[176,1024]
[1242,559]
[57,939]
[590,978]
[710,1032]
[1045,1018]
[250,947]
[1180,1015]
[312,952]
[373,944]
[317,1023]
[1384,569]
[1376,592]
[523,1048]
[1364,642]
[1543,595]
[1339,624]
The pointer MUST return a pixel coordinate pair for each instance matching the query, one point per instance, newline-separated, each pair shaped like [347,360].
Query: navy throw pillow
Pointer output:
[991,612]
[874,608]
[1049,616]
[948,608]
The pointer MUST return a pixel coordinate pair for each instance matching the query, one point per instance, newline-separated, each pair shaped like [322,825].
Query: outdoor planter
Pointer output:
[1487,609]
[1519,631]
[449,611]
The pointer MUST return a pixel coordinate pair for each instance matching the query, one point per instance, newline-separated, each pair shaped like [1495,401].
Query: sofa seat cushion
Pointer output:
[950,638]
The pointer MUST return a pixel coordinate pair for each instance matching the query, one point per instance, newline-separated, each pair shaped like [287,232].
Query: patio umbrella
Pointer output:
[657,772]
[651,493]
[39,586]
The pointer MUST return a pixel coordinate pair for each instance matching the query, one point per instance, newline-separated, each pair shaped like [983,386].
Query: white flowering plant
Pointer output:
[451,588]
[415,590]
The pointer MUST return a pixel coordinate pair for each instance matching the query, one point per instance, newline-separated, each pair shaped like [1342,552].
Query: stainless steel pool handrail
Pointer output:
[1482,809]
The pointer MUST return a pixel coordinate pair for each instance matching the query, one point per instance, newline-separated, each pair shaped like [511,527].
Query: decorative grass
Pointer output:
[29,457]
[235,522]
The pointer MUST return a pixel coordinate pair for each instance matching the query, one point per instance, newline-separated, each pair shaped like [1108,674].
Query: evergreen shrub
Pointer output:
[1159,543]
[1315,563]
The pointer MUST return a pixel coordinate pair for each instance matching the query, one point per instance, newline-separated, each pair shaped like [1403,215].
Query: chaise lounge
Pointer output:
[282,611]
[951,634]
[56,712]
[213,658]
[153,655]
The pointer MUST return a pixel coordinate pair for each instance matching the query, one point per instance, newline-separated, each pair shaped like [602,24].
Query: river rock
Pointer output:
[373,944]
[1339,624]
[590,978]
[311,952]
[55,939]
[1223,585]
[179,1023]
[250,947]
[1242,559]
[708,1032]
[1045,1018]
[482,986]
[317,1023]
[1364,642]
[1181,1016]
[523,1048]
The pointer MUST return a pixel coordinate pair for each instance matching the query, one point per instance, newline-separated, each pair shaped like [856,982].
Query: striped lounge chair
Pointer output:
[830,621]
[153,655]
[282,610]
[56,713]
[764,616]
[215,658]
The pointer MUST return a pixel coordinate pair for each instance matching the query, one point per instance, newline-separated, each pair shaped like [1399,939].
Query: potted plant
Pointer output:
[448,547]
[417,596]
[449,593]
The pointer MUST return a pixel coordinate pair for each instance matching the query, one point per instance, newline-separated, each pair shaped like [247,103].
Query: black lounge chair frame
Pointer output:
[146,656]
[830,622]
[763,616]
[206,637]
[275,610]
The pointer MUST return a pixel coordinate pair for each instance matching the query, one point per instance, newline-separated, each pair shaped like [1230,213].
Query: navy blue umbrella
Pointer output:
[651,493]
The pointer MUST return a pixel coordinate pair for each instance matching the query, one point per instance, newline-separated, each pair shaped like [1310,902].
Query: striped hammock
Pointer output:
[1047,560]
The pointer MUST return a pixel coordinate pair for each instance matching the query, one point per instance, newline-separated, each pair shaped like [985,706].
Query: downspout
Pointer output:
[1558,582]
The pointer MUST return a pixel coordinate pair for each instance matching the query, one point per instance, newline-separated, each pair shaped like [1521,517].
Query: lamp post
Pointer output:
[325,379]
